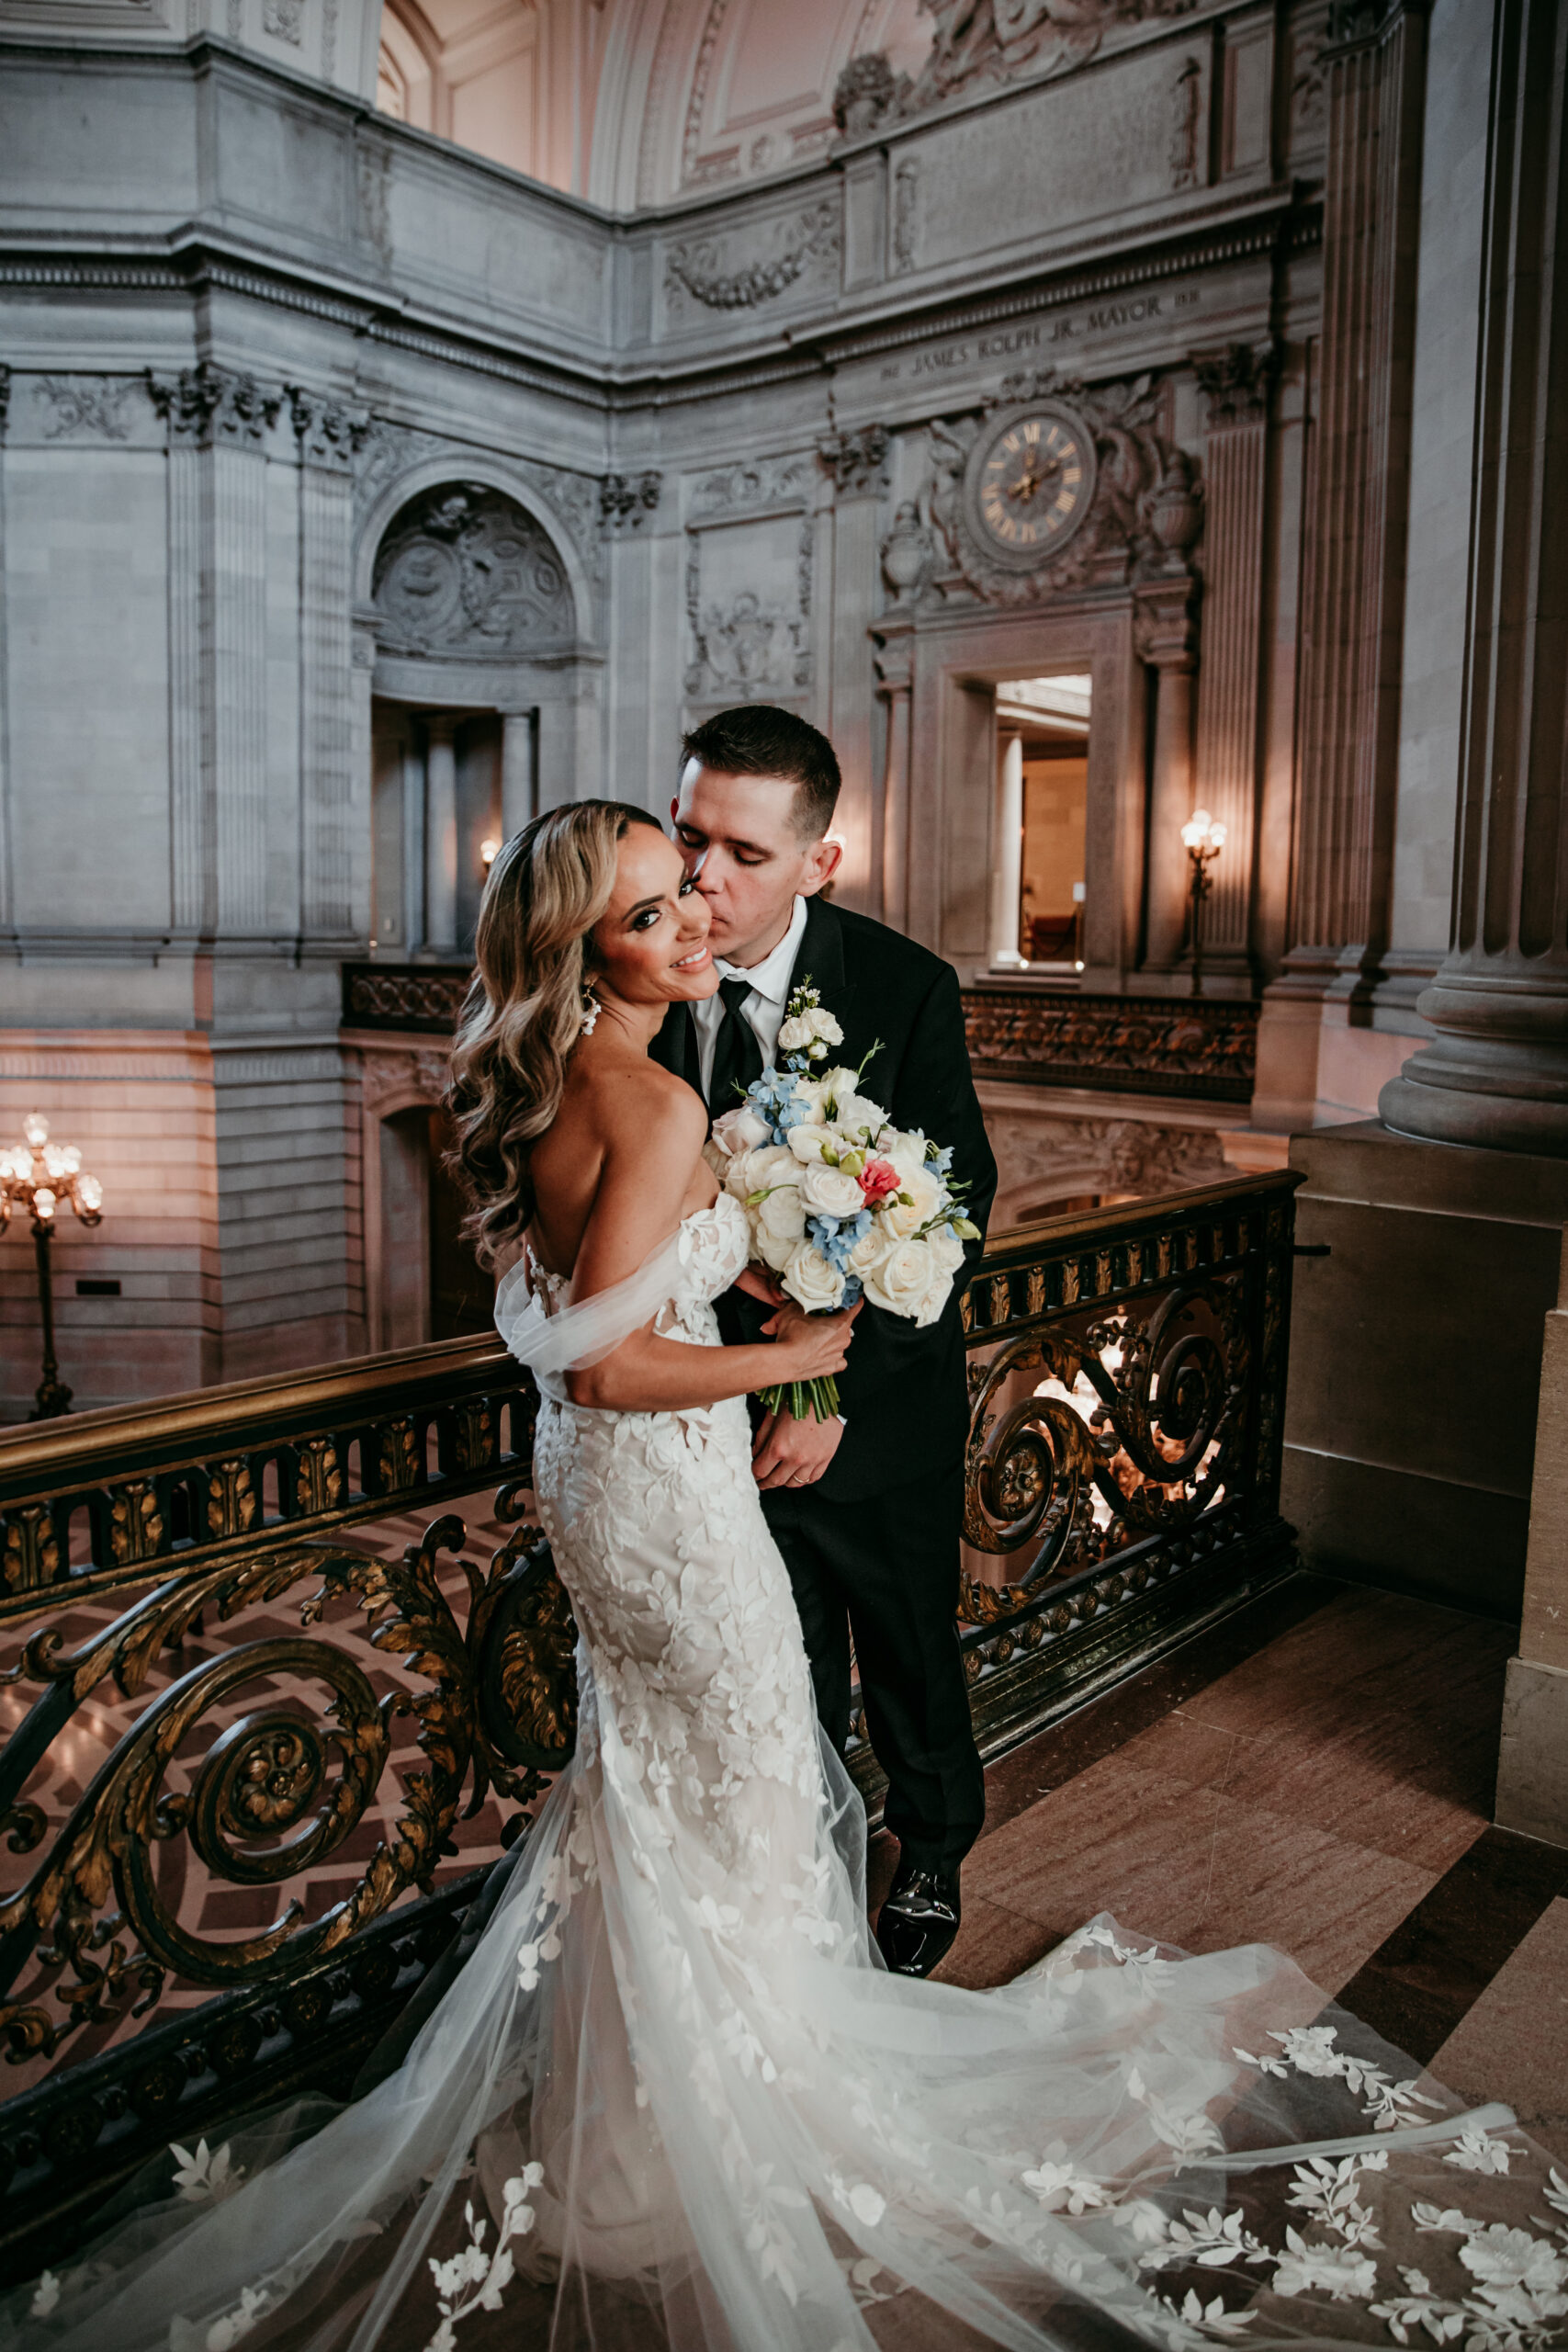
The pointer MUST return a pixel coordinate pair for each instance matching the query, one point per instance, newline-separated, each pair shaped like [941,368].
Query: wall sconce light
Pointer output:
[489,852]
[1205,839]
[40,1177]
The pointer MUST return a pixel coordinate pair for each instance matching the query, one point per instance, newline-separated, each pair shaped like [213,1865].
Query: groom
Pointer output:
[866,1510]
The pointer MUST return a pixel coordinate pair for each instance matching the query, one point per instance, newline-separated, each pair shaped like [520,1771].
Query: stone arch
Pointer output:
[478,479]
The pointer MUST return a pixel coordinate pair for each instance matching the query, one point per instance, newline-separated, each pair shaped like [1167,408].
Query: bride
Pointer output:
[673,2099]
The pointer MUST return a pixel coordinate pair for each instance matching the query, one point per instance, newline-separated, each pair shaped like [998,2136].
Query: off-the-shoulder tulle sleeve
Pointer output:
[573,1335]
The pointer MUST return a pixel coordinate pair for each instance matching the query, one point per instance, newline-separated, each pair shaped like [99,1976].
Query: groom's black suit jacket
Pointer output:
[904,1401]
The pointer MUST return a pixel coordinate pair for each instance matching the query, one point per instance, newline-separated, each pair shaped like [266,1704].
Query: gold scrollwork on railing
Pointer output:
[282,1788]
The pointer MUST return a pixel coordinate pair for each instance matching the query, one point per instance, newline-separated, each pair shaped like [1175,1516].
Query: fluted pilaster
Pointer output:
[1497,1073]
[329,436]
[1376,65]
[1235,382]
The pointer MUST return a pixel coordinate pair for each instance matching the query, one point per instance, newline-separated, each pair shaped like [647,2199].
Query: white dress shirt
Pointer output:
[763,1010]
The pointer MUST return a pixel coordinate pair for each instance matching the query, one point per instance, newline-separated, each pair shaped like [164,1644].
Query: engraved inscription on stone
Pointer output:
[463,570]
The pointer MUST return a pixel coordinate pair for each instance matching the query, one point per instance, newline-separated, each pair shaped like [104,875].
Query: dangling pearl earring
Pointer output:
[591,1010]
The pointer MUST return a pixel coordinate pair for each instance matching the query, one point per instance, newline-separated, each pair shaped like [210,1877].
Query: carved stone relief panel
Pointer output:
[1045,1153]
[464,570]
[752,265]
[749,557]
[982,43]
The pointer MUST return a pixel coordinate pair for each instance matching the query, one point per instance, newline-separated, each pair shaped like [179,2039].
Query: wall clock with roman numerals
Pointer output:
[1029,484]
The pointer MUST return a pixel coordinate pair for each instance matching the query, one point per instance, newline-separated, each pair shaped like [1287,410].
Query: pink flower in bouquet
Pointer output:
[879,1177]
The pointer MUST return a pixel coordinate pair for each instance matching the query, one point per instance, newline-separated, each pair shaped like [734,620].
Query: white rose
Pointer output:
[812,1092]
[946,1248]
[794,1035]
[872,1247]
[905,1218]
[810,1281]
[907,1151]
[857,1112]
[822,1024]
[753,1172]
[808,1142]
[840,1080]
[829,1192]
[780,1226]
[903,1279]
[935,1299]
[741,1129]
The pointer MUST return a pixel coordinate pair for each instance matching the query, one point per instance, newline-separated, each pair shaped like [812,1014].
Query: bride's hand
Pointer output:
[810,1347]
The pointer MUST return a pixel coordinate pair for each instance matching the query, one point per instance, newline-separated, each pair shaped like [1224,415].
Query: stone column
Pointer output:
[1354,629]
[1235,382]
[331,886]
[1497,1072]
[7,852]
[1007,873]
[1532,1766]
[441,836]
[518,790]
[894,670]
[1166,638]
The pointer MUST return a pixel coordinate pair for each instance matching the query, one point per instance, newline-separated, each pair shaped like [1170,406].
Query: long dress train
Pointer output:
[673,2099]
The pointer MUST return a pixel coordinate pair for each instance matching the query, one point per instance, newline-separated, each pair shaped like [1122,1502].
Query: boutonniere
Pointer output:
[807,1031]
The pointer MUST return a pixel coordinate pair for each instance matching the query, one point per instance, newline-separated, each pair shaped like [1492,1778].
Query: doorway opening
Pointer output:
[432,1286]
[435,824]
[1038,888]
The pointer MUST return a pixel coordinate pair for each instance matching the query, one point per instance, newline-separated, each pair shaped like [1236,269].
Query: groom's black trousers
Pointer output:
[886,1569]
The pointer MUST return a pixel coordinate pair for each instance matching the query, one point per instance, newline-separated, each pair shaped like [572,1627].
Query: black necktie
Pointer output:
[737,1056]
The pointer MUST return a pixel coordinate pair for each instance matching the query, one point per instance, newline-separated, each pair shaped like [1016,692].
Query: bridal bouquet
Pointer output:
[842,1203]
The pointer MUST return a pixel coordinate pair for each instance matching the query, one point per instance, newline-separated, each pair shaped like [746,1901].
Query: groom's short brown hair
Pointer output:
[759,739]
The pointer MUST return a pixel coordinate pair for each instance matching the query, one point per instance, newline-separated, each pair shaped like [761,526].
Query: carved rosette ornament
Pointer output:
[1055,488]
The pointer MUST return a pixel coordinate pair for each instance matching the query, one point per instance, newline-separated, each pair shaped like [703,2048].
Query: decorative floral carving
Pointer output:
[753,484]
[1154,1045]
[856,460]
[867,92]
[745,647]
[906,214]
[727,272]
[463,570]
[571,500]
[1235,382]
[205,404]
[282,19]
[329,433]
[87,404]
[387,1078]
[625,499]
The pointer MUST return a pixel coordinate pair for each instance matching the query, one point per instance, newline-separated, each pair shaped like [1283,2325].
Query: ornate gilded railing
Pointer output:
[272,1708]
[1201,1047]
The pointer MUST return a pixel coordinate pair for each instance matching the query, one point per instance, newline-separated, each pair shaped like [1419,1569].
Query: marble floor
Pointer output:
[1316,1774]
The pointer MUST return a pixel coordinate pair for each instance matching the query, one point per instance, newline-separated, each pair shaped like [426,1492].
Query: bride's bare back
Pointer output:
[622,1164]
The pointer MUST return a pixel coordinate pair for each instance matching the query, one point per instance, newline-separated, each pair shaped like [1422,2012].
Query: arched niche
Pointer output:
[463,572]
[473,598]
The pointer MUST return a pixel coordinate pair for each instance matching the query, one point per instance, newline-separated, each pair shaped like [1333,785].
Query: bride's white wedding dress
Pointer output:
[674,2099]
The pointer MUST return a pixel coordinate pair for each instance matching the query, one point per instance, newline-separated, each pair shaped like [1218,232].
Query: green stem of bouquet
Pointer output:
[799,1399]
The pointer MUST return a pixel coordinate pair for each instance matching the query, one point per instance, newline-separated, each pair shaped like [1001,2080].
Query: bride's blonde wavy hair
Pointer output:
[525,1010]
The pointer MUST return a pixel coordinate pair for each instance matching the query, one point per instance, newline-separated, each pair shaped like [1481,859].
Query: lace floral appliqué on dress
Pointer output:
[674,2101]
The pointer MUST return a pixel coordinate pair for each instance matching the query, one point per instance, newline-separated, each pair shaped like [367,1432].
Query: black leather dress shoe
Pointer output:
[919,1920]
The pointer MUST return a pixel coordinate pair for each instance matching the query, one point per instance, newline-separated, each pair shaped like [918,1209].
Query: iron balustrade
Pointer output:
[228,1883]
